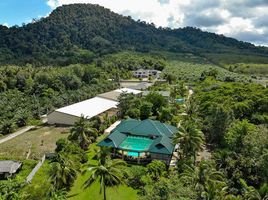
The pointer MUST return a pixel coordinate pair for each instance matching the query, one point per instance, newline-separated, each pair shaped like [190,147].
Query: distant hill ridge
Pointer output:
[80,32]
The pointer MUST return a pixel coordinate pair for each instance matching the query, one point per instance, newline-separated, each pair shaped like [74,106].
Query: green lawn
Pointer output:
[93,193]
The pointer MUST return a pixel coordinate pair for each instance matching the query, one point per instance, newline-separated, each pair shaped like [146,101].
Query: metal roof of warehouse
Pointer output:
[97,105]
[114,95]
[89,108]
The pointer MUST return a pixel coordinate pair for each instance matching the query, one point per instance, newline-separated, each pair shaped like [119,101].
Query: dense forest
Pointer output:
[80,32]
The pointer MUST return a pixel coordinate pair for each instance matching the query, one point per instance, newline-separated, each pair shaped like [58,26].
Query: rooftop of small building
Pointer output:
[9,166]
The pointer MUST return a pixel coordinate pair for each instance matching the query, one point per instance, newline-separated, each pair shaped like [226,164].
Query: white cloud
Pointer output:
[53,3]
[5,24]
[221,16]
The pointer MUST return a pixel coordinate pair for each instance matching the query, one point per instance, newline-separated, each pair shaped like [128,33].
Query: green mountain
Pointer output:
[82,32]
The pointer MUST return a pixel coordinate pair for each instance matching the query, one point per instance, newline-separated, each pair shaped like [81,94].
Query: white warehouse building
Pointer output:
[89,108]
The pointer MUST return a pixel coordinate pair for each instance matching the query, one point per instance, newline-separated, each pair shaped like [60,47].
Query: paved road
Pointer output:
[17,133]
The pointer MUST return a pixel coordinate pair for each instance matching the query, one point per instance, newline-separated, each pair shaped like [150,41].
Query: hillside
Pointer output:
[81,32]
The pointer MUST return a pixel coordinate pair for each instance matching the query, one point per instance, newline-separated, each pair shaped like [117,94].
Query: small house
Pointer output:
[8,168]
[145,73]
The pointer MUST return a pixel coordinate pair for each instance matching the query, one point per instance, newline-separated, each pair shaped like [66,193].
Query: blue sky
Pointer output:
[244,20]
[16,12]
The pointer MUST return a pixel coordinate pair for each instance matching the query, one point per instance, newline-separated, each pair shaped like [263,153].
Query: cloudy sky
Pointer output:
[245,20]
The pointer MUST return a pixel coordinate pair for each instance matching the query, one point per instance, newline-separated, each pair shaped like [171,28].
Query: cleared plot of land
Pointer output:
[33,144]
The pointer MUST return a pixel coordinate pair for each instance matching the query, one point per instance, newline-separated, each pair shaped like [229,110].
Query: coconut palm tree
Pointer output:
[250,193]
[204,178]
[103,154]
[83,133]
[191,109]
[62,173]
[107,173]
[214,190]
[189,138]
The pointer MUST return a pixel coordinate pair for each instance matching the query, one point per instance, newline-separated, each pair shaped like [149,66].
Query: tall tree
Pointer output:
[108,173]
[250,193]
[157,100]
[202,178]
[145,110]
[63,171]
[189,138]
[83,133]
[219,120]
[126,101]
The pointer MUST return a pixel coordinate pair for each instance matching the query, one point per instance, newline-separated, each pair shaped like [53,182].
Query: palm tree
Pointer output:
[214,190]
[58,194]
[232,197]
[205,179]
[83,133]
[189,138]
[62,173]
[191,109]
[107,173]
[250,193]
[103,154]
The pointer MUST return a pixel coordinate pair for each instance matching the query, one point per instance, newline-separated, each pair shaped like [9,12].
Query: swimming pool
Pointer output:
[136,143]
[133,154]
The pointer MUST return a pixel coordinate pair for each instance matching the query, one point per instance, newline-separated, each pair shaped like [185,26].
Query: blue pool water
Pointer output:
[133,154]
[136,143]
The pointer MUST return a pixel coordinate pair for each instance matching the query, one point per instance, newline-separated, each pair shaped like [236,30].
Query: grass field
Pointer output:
[93,193]
[38,142]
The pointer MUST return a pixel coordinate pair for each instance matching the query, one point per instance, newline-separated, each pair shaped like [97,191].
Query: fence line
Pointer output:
[35,169]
